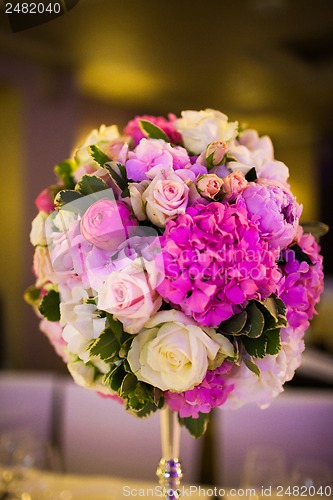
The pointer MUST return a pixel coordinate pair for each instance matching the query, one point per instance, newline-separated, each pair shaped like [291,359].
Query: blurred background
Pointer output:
[267,63]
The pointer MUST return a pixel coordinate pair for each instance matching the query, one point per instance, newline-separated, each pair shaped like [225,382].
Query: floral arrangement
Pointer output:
[171,267]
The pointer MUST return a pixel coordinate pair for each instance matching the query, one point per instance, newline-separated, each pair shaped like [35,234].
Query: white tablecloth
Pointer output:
[37,485]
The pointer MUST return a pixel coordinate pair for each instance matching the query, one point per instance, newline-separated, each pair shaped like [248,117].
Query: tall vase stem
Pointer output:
[169,469]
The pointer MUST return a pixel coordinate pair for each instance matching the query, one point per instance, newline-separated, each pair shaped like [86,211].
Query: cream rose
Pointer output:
[200,128]
[42,266]
[165,197]
[130,296]
[172,352]
[37,233]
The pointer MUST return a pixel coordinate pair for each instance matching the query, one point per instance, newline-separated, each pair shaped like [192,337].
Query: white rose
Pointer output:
[165,197]
[130,296]
[37,233]
[200,128]
[85,376]
[82,374]
[255,151]
[101,136]
[172,352]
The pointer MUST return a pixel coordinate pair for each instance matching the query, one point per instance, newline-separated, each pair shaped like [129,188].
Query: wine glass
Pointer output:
[313,474]
[264,469]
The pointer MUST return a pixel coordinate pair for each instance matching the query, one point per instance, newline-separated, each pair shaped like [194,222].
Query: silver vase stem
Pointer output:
[169,470]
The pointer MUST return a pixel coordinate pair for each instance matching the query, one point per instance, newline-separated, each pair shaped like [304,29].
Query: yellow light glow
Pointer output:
[118,82]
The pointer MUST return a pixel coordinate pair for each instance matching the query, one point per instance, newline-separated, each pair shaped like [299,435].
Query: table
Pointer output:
[41,485]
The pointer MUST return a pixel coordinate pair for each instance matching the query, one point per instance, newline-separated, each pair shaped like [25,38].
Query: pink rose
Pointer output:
[234,184]
[44,201]
[107,223]
[130,296]
[209,185]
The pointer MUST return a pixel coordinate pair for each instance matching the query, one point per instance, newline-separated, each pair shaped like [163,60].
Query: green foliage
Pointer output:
[64,172]
[118,174]
[97,154]
[252,366]
[108,345]
[196,426]
[67,196]
[257,327]
[90,185]
[32,295]
[49,306]
[112,347]
[152,131]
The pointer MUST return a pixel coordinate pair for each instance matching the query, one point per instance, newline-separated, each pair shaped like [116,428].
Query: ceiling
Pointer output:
[267,62]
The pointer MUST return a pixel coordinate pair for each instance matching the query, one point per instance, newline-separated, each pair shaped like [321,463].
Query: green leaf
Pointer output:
[128,384]
[118,375]
[120,176]
[273,342]
[90,184]
[233,325]
[270,319]
[106,346]
[196,426]
[257,320]
[251,176]
[116,327]
[67,196]
[110,341]
[49,307]
[252,366]
[32,295]
[300,255]
[255,347]
[64,172]
[153,131]
[97,154]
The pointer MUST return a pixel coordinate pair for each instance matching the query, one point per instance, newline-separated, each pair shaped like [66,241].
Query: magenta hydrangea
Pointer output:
[215,262]
[303,283]
[212,392]
[275,209]
[167,125]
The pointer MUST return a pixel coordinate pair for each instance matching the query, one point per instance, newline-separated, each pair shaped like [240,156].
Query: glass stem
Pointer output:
[169,469]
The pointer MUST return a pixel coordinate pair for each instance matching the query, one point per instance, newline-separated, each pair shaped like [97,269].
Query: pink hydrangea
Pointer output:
[133,128]
[303,283]
[212,392]
[215,262]
[275,209]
